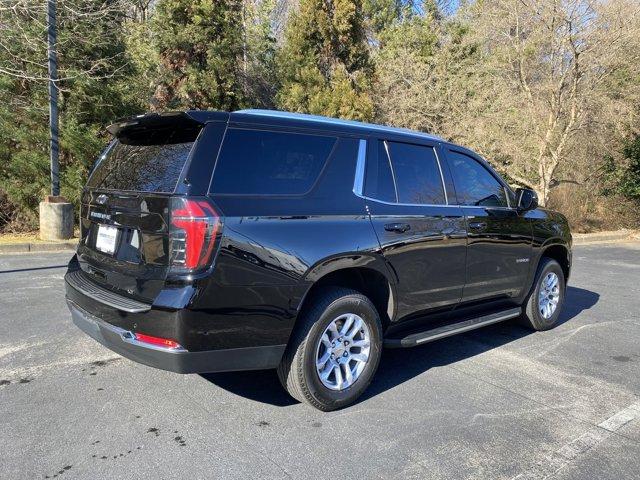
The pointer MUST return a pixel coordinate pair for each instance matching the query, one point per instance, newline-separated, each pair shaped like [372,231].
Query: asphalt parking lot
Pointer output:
[496,403]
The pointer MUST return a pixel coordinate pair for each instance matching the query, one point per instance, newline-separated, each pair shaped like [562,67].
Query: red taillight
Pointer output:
[194,228]
[158,341]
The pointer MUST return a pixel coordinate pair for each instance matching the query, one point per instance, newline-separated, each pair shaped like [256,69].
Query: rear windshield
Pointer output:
[144,161]
[255,162]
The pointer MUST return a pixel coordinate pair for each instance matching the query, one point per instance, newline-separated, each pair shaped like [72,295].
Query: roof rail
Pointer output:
[333,121]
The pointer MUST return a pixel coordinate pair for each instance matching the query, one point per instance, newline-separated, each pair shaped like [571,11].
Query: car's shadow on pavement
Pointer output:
[259,385]
[400,365]
[577,300]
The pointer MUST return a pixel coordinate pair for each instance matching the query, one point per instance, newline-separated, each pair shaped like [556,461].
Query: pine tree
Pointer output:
[200,46]
[324,64]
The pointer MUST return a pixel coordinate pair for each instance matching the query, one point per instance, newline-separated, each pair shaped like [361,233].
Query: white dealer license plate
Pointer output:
[106,239]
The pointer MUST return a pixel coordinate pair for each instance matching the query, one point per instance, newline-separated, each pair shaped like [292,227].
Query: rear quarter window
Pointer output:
[258,162]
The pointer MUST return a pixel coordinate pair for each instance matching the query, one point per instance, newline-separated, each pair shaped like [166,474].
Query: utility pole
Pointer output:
[56,214]
[54,147]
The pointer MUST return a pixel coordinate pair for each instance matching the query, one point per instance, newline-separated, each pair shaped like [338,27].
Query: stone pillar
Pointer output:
[56,219]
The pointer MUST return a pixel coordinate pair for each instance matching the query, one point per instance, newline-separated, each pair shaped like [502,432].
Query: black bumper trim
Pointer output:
[179,361]
[77,280]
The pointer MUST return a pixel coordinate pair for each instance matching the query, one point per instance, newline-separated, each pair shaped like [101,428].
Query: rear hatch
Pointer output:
[133,227]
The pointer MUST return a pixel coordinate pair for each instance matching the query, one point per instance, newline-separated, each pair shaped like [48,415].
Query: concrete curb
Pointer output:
[37,247]
[605,237]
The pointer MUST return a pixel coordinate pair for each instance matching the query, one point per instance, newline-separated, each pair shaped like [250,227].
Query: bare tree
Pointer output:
[551,60]
[23,38]
[525,85]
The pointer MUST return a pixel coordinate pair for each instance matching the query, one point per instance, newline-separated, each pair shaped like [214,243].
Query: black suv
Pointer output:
[215,241]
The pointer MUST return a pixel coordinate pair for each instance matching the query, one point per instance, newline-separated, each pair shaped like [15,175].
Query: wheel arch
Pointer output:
[554,248]
[559,252]
[365,274]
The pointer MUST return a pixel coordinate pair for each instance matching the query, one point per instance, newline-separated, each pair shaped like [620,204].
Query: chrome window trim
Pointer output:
[444,186]
[440,205]
[488,207]
[450,205]
[358,182]
[393,172]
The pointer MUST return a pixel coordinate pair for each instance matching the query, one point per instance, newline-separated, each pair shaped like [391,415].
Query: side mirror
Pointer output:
[527,199]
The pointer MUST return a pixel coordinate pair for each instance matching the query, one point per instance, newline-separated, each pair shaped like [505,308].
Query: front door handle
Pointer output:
[397,227]
[477,225]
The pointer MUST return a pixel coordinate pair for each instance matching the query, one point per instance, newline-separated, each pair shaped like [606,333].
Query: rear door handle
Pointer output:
[397,227]
[477,225]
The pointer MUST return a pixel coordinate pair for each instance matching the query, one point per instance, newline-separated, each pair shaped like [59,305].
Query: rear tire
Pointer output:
[334,314]
[543,305]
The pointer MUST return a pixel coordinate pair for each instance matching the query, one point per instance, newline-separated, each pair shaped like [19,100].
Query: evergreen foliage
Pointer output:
[631,183]
[200,45]
[624,178]
[324,64]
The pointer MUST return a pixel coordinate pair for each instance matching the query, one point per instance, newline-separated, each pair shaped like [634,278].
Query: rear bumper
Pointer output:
[123,342]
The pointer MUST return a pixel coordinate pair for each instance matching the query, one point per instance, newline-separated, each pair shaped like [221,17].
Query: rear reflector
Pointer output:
[195,225]
[160,342]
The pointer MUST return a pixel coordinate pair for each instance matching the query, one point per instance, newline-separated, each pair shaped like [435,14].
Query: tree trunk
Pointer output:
[543,192]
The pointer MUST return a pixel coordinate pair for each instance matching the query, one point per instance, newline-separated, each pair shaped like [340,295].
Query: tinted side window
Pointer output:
[475,185]
[255,162]
[378,182]
[417,174]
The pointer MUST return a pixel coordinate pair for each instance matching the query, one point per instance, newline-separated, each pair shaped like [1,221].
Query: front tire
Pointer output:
[544,303]
[334,350]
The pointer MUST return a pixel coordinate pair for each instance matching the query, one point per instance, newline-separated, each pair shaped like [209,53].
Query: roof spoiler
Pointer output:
[189,118]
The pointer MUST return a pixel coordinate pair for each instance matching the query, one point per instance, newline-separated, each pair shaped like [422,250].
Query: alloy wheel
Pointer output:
[549,295]
[342,352]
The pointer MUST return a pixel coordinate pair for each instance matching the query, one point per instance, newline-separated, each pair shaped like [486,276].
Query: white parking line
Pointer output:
[585,442]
